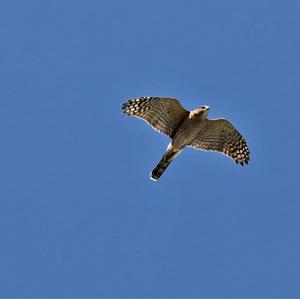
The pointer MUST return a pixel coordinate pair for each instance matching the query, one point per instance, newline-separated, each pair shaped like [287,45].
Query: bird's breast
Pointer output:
[187,132]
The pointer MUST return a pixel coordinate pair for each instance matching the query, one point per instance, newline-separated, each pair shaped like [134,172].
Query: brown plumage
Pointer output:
[186,128]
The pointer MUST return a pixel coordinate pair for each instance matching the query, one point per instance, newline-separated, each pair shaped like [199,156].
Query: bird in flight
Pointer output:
[187,128]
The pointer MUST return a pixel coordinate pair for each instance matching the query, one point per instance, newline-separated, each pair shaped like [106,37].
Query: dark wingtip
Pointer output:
[123,108]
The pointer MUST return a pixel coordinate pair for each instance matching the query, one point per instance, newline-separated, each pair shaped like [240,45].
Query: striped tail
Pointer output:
[167,158]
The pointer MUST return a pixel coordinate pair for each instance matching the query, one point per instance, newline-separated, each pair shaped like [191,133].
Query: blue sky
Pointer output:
[79,216]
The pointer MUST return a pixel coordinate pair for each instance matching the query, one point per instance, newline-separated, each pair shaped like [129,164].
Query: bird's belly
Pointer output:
[185,135]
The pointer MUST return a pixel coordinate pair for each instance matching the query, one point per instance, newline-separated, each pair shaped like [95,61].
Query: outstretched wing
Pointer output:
[163,114]
[221,136]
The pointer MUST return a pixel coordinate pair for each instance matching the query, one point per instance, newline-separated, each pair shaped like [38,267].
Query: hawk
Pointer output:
[187,128]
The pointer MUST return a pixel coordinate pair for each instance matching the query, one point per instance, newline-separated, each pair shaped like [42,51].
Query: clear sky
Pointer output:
[79,215]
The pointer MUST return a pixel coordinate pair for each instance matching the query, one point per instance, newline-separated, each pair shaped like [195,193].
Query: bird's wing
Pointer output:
[221,136]
[163,114]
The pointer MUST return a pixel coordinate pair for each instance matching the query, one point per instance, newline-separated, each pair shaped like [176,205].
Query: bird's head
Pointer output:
[204,108]
[202,111]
